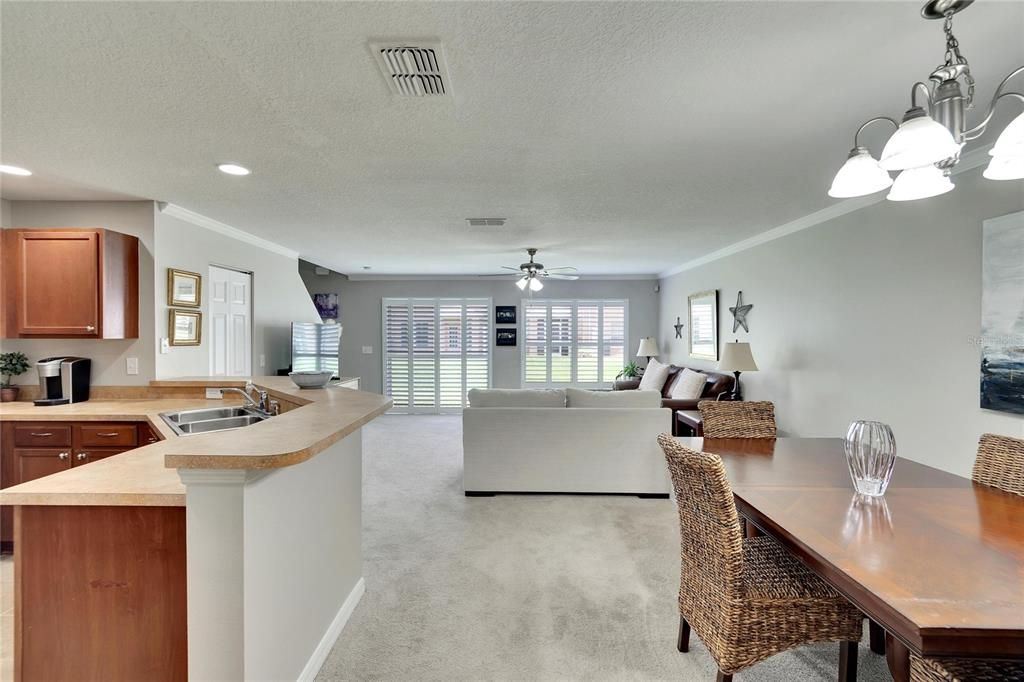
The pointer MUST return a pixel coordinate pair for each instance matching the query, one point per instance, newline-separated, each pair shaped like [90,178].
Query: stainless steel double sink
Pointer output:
[208,419]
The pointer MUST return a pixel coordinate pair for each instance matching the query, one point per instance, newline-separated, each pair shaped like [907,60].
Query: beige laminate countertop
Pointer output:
[147,476]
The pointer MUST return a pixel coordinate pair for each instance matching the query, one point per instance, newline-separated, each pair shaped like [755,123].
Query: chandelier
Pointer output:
[927,143]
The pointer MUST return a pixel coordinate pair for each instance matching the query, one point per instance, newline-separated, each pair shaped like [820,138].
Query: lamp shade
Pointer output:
[919,141]
[536,284]
[1010,143]
[860,175]
[648,348]
[919,183]
[1008,168]
[736,357]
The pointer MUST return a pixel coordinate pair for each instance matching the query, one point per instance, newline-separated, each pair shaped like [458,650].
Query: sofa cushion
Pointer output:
[689,385]
[516,397]
[654,376]
[576,397]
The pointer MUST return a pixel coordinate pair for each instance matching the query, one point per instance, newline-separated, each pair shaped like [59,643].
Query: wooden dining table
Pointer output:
[938,561]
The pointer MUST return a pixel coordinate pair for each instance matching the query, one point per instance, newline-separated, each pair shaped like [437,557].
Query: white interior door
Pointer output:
[230,322]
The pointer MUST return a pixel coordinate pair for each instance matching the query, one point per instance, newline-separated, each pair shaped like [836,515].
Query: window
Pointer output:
[315,347]
[435,350]
[573,342]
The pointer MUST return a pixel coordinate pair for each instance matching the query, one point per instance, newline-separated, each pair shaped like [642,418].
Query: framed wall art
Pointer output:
[184,288]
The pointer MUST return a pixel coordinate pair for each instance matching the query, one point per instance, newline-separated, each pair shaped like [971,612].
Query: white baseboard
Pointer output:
[316,661]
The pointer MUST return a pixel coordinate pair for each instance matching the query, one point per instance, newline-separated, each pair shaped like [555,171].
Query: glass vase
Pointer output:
[870,456]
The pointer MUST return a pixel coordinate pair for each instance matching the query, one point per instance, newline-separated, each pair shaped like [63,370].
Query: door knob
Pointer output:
[90,328]
[82,455]
[63,455]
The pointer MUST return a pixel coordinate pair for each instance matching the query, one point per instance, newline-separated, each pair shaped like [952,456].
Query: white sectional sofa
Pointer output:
[564,441]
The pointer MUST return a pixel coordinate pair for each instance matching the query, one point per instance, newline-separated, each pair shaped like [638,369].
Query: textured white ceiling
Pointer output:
[619,137]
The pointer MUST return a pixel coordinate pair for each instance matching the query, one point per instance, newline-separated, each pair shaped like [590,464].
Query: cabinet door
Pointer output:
[57,287]
[33,463]
[147,434]
[87,455]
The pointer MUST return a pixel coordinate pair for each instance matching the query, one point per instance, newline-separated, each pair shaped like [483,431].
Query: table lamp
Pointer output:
[736,358]
[648,348]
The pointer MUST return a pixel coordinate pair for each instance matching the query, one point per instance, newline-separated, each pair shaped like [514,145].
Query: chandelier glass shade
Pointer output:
[928,141]
[522,282]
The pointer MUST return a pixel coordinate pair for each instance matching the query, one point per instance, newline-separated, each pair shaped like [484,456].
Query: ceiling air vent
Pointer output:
[413,70]
[486,222]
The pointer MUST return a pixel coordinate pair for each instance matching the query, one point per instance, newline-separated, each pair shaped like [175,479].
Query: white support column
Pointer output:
[216,573]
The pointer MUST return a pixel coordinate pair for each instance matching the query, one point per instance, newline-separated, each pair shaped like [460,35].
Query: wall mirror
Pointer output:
[703,317]
[184,288]
[184,327]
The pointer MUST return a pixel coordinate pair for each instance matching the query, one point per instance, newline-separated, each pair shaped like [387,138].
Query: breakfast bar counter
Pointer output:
[227,555]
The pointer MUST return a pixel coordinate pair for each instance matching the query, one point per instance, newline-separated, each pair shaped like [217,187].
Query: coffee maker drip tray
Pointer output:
[43,402]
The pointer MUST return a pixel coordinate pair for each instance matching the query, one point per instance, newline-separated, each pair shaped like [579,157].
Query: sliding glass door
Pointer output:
[435,350]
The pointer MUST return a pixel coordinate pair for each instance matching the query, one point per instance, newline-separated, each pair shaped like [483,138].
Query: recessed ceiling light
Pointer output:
[366,267]
[14,170]
[233,169]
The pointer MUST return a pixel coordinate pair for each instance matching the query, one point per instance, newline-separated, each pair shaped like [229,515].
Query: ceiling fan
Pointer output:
[530,274]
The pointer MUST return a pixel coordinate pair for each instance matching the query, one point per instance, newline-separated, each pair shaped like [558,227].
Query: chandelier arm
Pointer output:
[864,125]
[927,95]
[977,130]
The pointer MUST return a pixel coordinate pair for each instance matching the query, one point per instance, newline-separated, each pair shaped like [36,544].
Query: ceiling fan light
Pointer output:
[1005,168]
[1011,141]
[860,175]
[919,183]
[522,282]
[919,141]
[535,284]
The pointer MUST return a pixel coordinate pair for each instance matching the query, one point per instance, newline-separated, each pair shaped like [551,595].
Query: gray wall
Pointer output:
[873,315]
[108,357]
[360,303]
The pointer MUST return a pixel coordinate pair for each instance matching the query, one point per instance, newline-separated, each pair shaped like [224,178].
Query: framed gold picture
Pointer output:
[184,288]
[184,327]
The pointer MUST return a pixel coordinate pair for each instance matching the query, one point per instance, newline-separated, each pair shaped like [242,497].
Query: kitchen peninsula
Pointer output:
[226,555]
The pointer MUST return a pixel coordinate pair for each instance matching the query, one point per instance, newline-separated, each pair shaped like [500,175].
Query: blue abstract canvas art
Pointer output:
[1002,314]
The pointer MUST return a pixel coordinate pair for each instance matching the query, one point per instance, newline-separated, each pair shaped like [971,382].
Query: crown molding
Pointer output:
[969,161]
[200,220]
[479,278]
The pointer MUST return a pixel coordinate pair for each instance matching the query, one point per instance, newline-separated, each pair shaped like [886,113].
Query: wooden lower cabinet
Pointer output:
[100,594]
[31,450]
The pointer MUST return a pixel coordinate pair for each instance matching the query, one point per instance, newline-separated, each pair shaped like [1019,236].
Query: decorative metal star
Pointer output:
[739,313]
[679,328]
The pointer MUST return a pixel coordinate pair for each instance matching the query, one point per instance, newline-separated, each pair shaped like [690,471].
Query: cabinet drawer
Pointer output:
[42,435]
[147,434]
[106,435]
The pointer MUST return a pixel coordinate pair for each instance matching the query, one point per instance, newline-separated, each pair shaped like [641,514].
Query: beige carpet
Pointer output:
[519,587]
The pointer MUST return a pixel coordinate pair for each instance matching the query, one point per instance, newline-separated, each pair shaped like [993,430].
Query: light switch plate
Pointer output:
[132,366]
[214,394]
[263,360]
[367,350]
[165,345]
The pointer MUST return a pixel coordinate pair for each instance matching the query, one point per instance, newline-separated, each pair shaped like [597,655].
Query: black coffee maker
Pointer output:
[63,380]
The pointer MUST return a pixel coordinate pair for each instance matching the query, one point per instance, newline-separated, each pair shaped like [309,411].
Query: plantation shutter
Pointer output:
[573,342]
[436,350]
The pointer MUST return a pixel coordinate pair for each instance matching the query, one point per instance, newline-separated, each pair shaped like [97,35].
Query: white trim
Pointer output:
[200,220]
[478,278]
[323,649]
[969,161]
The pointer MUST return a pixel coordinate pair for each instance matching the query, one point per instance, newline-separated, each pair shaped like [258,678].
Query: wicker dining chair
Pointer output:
[746,598]
[999,464]
[737,419]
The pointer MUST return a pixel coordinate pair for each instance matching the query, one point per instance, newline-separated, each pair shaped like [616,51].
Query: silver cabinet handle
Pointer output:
[44,434]
[64,455]
[82,455]
[108,435]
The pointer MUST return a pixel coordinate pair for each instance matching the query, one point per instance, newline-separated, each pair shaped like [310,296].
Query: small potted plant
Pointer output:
[630,371]
[11,365]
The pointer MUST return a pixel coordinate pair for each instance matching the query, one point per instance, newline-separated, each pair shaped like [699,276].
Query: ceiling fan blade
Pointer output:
[509,267]
[508,275]
[555,275]
[566,267]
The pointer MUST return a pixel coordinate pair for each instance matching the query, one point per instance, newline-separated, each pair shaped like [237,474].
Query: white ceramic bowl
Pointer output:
[310,379]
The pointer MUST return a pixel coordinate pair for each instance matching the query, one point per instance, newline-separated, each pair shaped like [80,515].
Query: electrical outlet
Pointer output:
[263,360]
[132,366]
[214,394]
[367,350]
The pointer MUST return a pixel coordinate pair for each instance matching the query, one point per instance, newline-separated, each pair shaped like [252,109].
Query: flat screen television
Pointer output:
[316,347]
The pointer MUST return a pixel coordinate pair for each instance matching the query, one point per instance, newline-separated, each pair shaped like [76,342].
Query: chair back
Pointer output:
[737,419]
[711,543]
[1000,463]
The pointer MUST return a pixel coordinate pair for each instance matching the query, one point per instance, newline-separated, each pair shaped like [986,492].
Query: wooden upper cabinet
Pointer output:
[60,283]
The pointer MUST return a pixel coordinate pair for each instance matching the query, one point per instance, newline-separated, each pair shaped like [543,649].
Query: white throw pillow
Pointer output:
[575,397]
[689,385]
[654,376]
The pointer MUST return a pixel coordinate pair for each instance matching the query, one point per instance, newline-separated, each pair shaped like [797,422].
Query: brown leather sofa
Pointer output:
[716,384]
